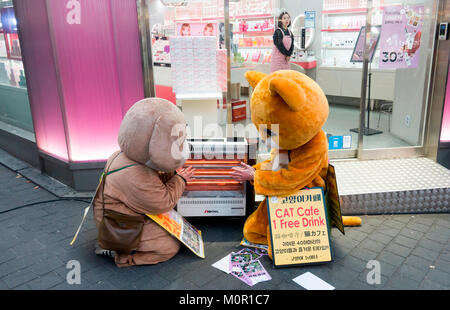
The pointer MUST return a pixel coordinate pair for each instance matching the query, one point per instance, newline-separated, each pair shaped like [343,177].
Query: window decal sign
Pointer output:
[401,33]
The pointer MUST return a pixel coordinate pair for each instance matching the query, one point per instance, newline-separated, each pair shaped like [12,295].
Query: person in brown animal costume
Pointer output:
[152,147]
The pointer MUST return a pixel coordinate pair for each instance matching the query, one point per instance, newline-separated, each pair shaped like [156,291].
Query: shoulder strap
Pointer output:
[106,172]
[116,170]
[86,210]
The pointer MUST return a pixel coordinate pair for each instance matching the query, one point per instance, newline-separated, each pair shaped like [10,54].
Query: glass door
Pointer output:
[325,33]
[340,53]
[402,68]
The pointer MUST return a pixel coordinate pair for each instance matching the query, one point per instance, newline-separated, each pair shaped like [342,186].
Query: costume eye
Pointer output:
[269,132]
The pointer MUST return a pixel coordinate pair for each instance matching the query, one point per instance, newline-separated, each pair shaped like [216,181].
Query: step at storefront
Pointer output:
[414,185]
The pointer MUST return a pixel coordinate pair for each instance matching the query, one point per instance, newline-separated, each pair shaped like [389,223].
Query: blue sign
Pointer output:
[310,19]
[8,20]
[340,142]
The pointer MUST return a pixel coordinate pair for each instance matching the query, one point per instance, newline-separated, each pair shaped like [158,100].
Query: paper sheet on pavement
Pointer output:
[312,282]
[223,264]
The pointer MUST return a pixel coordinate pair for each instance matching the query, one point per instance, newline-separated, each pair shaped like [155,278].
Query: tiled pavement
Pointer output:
[413,251]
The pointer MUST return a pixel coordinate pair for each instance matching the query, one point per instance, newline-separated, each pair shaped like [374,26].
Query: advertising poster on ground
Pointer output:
[181,229]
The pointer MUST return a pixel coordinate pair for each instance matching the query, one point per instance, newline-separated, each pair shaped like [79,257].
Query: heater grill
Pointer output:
[212,191]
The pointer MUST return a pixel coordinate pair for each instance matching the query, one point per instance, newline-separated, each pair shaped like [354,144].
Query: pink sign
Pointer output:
[445,129]
[197,29]
[400,36]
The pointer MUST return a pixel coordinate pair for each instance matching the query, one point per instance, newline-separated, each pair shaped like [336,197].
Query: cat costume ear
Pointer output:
[292,93]
[254,77]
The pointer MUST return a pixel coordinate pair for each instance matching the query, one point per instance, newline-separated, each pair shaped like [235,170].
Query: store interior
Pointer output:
[14,107]
[11,66]
[326,40]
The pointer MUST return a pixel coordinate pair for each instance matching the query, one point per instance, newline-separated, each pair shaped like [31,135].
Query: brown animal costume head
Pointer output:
[153,133]
[292,100]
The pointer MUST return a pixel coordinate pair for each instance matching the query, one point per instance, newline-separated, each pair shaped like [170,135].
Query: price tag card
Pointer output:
[299,228]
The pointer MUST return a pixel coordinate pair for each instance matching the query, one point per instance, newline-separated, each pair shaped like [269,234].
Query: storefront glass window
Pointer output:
[328,47]
[404,53]
[198,83]
[14,105]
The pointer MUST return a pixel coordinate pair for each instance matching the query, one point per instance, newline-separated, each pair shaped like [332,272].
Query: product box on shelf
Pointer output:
[256,55]
[239,110]
[196,66]
[267,57]
[4,79]
[161,51]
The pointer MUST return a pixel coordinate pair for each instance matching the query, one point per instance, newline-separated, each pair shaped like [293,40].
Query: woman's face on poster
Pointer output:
[185,30]
[208,31]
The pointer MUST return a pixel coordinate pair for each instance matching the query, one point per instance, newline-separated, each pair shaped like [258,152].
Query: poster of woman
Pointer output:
[197,29]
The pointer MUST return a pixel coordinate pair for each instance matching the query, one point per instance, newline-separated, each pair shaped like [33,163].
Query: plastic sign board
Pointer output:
[332,200]
[299,228]
[310,19]
[340,142]
[358,50]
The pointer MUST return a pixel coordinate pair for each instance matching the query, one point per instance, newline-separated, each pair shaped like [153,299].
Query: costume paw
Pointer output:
[351,220]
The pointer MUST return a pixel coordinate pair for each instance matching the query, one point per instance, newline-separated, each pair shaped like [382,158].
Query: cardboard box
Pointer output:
[239,110]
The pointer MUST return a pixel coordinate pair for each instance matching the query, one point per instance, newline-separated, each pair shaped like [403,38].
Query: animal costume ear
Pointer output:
[292,93]
[253,77]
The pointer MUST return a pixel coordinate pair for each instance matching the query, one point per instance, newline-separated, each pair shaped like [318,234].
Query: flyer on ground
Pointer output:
[299,228]
[181,229]
[245,242]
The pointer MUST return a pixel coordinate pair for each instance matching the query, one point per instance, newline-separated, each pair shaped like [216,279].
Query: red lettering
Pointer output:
[287,213]
[308,212]
[276,213]
[313,222]
[289,224]
[305,222]
[293,224]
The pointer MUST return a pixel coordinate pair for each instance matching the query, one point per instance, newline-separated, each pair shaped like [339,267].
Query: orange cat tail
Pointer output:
[351,220]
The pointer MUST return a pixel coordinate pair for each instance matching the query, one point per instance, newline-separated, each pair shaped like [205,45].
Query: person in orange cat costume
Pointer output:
[288,109]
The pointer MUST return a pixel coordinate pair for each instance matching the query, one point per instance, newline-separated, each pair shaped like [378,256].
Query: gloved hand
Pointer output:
[243,173]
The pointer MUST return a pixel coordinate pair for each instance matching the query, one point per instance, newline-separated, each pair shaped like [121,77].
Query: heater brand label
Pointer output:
[211,211]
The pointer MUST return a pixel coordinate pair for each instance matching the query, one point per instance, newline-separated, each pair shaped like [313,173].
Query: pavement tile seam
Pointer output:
[405,262]
[41,278]
[413,284]
[368,279]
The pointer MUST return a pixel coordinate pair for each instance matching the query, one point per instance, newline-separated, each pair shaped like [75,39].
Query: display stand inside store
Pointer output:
[200,111]
[358,56]
[367,131]
[199,80]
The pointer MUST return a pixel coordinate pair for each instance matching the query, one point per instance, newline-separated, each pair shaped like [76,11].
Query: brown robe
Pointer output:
[140,190]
